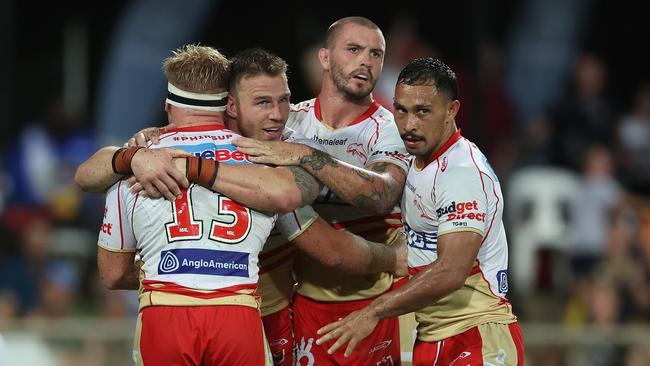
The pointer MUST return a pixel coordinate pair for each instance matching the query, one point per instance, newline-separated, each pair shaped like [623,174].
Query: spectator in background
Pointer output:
[29,231]
[403,43]
[492,113]
[633,133]
[585,116]
[590,210]
[42,161]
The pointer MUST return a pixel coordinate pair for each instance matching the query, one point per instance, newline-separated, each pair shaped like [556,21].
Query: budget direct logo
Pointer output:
[461,211]
[203,261]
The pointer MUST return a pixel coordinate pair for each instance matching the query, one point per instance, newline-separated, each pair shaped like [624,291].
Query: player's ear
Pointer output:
[167,107]
[454,106]
[324,58]
[231,108]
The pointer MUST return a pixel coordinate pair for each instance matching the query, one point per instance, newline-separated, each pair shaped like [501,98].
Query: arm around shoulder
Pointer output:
[96,174]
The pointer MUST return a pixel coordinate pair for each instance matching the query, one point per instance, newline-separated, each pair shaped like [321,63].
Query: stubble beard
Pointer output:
[342,83]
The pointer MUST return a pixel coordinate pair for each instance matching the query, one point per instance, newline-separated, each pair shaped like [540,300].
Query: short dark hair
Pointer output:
[255,61]
[334,29]
[430,71]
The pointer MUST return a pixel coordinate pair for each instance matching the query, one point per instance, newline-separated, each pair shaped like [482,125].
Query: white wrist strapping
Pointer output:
[292,224]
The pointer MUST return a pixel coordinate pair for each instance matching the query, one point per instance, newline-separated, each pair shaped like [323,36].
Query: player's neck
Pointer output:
[198,120]
[337,110]
[422,161]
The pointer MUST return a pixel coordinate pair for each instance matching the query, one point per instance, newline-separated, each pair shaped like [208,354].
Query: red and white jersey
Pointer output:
[373,137]
[276,259]
[458,191]
[201,249]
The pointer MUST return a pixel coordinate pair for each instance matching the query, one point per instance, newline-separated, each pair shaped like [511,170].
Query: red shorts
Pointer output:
[200,335]
[486,344]
[380,348]
[279,332]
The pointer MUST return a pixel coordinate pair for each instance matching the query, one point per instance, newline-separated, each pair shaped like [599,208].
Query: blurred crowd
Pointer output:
[576,180]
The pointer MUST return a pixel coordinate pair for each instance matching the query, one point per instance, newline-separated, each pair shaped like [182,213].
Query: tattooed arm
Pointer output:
[264,188]
[377,188]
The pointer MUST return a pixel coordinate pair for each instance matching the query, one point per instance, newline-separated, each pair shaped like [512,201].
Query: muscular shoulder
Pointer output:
[298,112]
[384,117]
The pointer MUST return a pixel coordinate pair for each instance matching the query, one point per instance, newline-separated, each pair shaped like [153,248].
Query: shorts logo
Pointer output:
[303,353]
[278,357]
[381,345]
[502,281]
[278,342]
[386,361]
[462,355]
[204,261]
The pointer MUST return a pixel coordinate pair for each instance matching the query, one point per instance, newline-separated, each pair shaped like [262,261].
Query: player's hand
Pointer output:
[351,330]
[148,135]
[401,255]
[154,170]
[137,188]
[180,164]
[272,152]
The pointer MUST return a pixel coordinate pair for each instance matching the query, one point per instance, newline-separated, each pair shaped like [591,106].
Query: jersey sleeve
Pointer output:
[389,147]
[116,233]
[460,201]
[293,224]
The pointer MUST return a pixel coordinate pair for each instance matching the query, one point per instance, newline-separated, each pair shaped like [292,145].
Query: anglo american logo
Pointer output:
[203,261]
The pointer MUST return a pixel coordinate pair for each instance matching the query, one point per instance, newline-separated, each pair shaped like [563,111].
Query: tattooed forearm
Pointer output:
[377,188]
[376,200]
[377,168]
[308,185]
[317,160]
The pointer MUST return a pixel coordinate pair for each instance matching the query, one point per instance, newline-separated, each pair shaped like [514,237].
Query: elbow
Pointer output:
[111,280]
[79,178]
[111,283]
[82,181]
[286,201]
[384,208]
[456,281]
[334,261]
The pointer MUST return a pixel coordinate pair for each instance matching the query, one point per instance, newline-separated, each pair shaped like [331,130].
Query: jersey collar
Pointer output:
[369,112]
[452,140]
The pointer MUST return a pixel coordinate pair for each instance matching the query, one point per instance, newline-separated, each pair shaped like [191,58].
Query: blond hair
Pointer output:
[198,69]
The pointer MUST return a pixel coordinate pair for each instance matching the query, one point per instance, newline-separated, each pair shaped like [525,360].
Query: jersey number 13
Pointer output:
[230,231]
